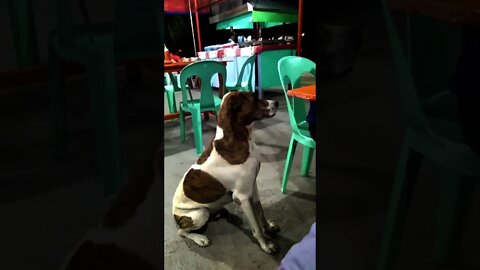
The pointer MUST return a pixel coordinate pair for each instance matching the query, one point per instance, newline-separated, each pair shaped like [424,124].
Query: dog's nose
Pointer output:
[272,103]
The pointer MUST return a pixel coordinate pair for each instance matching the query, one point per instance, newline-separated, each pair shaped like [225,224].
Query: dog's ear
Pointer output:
[234,106]
[235,103]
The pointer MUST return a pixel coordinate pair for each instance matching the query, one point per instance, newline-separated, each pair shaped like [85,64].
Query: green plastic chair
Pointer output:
[244,85]
[99,47]
[435,138]
[205,70]
[170,91]
[290,69]
[22,21]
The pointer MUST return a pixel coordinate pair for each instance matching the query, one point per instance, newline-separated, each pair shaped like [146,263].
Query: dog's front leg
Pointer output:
[247,207]
[267,226]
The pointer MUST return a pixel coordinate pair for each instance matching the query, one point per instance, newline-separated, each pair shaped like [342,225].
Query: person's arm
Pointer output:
[302,255]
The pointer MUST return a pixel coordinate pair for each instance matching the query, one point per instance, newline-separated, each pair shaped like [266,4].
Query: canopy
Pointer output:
[268,13]
[267,18]
[180,6]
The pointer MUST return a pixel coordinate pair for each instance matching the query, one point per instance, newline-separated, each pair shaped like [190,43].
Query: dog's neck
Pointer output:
[220,134]
[233,144]
[250,132]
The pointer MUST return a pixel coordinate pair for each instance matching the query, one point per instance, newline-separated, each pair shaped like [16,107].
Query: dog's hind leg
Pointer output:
[216,209]
[193,220]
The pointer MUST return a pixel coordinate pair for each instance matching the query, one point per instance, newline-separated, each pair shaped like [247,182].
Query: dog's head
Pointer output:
[243,108]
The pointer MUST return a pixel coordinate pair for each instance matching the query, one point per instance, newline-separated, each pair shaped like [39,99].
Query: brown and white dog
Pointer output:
[226,171]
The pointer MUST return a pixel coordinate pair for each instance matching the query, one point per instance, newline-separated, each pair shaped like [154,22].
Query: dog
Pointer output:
[226,172]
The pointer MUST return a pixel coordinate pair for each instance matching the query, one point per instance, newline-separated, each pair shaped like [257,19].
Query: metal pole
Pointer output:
[299,30]
[198,25]
[191,24]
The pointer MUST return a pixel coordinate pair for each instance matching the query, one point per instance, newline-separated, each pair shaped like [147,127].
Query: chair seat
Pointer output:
[170,88]
[305,132]
[102,42]
[443,105]
[446,146]
[194,105]
[448,129]
[303,125]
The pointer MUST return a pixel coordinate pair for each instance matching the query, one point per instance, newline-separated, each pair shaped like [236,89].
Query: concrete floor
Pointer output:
[294,212]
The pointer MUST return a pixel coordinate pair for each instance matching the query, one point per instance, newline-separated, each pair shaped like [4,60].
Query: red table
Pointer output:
[306,92]
[177,67]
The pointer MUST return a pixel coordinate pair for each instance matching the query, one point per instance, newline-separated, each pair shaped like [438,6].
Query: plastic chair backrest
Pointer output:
[410,103]
[248,63]
[291,69]
[433,45]
[205,70]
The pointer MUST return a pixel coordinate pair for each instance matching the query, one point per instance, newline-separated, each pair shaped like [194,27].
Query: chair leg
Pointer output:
[182,125]
[197,131]
[454,198]
[101,79]
[22,22]
[171,101]
[288,164]
[58,107]
[402,191]
[306,160]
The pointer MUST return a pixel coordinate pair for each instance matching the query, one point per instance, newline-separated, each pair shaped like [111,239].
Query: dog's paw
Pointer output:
[200,239]
[271,227]
[269,247]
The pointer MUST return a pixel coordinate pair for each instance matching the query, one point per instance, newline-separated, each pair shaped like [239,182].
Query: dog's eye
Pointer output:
[234,105]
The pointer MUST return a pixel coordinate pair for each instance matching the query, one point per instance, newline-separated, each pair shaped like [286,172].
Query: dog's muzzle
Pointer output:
[272,107]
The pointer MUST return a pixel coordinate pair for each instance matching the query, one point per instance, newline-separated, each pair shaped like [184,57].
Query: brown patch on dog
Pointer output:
[239,110]
[202,187]
[183,222]
[205,154]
